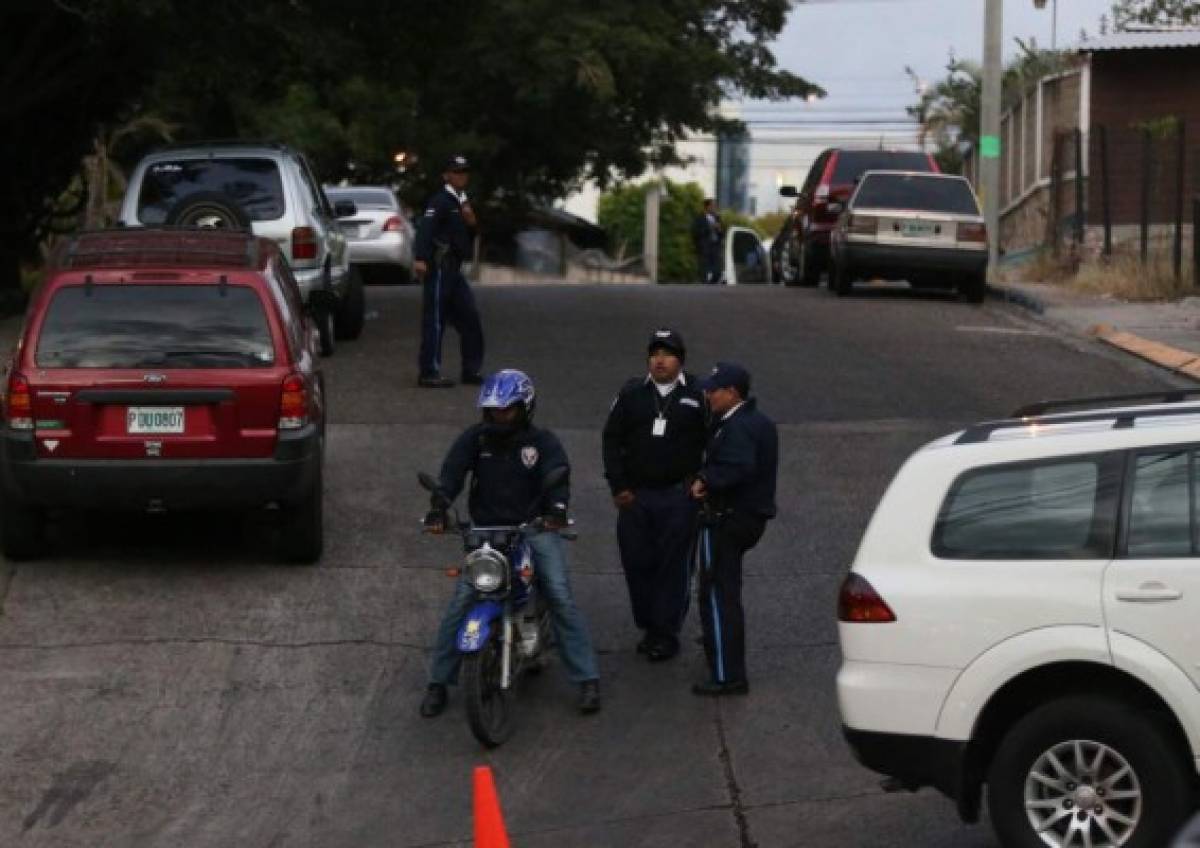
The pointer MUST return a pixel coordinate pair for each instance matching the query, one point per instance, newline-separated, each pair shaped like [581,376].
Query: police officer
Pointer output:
[507,458]
[737,487]
[444,238]
[653,442]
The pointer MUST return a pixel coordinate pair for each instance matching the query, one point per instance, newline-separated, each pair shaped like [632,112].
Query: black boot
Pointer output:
[434,701]
[589,696]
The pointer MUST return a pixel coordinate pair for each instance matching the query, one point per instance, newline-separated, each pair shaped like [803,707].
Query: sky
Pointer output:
[857,50]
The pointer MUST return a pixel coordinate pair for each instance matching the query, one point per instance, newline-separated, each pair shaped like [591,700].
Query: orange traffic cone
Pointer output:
[489,821]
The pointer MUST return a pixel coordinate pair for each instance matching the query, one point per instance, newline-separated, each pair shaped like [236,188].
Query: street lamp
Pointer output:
[1041,4]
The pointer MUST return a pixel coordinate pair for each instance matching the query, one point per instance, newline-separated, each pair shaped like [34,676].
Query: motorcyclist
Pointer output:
[507,458]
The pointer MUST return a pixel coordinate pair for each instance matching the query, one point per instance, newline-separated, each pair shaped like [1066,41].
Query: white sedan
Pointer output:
[379,235]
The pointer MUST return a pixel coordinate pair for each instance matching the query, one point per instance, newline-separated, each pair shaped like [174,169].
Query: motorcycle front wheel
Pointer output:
[489,708]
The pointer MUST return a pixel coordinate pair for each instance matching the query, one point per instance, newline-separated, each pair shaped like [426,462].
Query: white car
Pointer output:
[1024,613]
[379,235]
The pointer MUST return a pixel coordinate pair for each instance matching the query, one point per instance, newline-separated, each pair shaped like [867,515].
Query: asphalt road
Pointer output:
[164,683]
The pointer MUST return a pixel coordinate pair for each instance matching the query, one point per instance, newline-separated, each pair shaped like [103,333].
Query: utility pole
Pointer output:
[650,231]
[989,135]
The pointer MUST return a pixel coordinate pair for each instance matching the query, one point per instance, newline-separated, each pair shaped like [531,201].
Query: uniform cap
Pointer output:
[666,339]
[457,162]
[727,375]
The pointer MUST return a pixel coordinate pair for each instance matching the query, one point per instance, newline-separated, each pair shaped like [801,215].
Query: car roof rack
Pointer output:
[221,142]
[1121,419]
[1043,407]
[123,247]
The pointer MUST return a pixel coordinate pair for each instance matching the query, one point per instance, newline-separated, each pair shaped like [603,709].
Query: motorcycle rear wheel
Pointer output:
[489,708]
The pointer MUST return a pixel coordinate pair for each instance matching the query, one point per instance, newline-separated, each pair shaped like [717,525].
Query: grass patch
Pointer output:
[1121,276]
[1127,278]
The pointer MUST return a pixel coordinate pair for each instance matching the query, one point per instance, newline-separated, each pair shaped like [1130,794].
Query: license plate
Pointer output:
[154,419]
[916,229]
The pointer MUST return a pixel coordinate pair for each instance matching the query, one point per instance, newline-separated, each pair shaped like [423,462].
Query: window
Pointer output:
[289,312]
[852,164]
[906,191]
[1031,511]
[155,326]
[1160,507]
[364,198]
[254,183]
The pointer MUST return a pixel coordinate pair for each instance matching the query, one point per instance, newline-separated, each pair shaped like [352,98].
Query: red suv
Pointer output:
[162,370]
[800,253]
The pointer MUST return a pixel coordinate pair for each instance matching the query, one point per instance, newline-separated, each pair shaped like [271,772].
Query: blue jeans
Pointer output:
[570,630]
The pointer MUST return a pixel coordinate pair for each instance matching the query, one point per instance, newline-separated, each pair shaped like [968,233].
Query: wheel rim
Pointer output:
[1083,793]
[785,261]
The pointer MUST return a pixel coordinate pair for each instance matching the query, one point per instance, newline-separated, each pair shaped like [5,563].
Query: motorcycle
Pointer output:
[506,630]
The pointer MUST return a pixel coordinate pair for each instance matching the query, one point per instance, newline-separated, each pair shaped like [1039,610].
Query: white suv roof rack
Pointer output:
[1162,404]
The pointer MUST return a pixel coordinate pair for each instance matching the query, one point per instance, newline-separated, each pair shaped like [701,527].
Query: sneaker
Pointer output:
[589,696]
[434,702]
[434,381]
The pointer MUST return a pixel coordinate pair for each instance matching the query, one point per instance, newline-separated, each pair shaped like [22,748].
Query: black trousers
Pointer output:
[655,536]
[719,551]
[446,298]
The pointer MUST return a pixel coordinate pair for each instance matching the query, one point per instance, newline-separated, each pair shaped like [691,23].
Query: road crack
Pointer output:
[731,784]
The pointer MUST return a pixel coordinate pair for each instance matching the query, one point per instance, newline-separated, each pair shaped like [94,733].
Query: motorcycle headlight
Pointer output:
[486,568]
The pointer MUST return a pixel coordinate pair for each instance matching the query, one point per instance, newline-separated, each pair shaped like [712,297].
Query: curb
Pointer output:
[1182,362]
[1015,296]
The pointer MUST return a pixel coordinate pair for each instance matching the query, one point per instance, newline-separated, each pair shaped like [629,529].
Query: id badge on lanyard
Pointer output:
[659,428]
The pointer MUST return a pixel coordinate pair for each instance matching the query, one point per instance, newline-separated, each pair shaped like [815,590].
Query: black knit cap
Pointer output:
[665,338]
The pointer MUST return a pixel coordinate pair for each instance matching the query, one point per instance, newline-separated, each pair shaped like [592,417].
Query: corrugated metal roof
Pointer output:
[1141,40]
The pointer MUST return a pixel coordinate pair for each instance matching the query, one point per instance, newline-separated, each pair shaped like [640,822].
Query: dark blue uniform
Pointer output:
[506,474]
[655,532]
[740,467]
[444,242]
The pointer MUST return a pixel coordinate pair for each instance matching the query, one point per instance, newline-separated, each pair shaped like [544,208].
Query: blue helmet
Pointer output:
[505,388]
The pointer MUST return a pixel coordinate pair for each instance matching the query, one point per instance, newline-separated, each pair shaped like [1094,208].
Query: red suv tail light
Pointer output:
[972,232]
[304,243]
[18,405]
[392,224]
[859,602]
[293,403]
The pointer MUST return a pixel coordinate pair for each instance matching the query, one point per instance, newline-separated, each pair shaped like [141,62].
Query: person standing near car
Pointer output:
[737,487]
[707,231]
[653,442]
[444,240]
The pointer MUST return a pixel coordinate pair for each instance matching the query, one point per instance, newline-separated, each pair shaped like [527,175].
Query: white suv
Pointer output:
[1024,613]
[268,189]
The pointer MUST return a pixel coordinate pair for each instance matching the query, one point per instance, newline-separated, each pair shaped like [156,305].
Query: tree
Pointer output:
[540,94]
[63,70]
[949,111]
[1155,13]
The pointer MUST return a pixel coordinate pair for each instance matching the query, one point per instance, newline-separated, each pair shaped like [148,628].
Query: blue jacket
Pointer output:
[506,474]
[741,462]
[442,226]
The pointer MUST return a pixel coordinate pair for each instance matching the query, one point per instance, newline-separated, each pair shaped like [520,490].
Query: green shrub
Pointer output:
[622,213]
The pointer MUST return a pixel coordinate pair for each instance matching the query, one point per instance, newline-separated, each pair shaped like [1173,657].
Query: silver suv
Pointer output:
[271,190]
